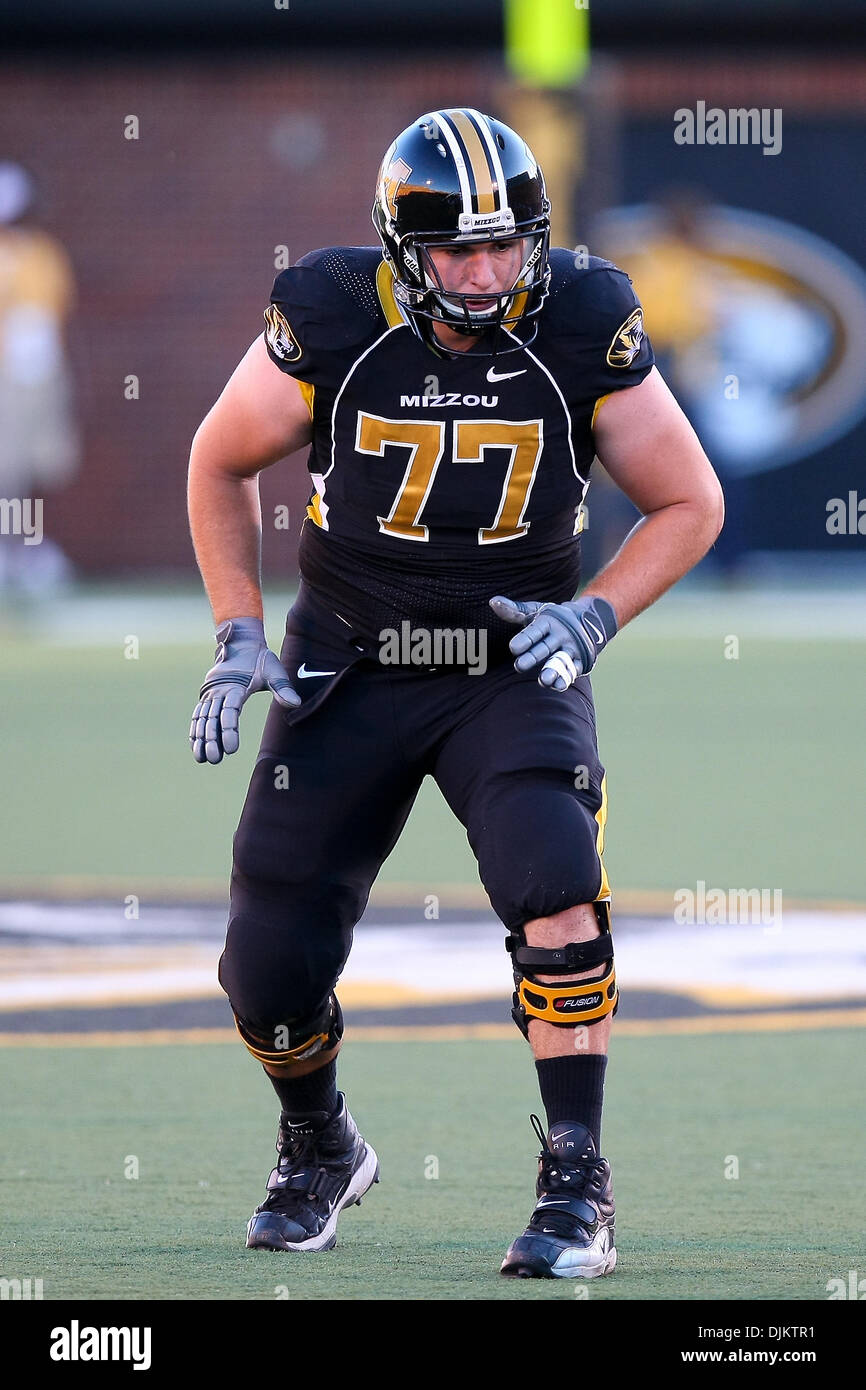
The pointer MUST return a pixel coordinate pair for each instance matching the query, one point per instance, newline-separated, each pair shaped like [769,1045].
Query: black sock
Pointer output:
[572,1088]
[304,1095]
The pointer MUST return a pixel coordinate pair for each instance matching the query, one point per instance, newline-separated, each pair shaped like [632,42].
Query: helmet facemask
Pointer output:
[453,307]
[420,289]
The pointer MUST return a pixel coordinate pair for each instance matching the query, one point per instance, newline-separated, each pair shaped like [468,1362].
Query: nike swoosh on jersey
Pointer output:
[493,375]
[302,671]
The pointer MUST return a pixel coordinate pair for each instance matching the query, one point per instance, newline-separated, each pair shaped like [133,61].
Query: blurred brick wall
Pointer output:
[172,238]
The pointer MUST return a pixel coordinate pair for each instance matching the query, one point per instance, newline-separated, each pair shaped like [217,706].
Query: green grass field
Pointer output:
[739,772]
[742,773]
[201,1124]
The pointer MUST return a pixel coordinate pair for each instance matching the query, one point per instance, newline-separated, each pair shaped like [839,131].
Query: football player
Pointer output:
[454,386]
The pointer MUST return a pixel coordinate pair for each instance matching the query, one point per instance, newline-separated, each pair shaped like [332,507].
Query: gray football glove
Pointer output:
[243,665]
[563,638]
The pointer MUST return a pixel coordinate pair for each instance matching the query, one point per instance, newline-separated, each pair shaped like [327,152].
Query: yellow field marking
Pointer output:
[460,1032]
[49,993]
[156,1037]
[722,997]
[785,1021]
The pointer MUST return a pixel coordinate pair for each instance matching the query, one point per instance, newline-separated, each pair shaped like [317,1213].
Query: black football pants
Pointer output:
[335,780]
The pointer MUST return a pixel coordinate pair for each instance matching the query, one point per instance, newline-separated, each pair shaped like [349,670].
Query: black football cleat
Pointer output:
[571,1232]
[324,1165]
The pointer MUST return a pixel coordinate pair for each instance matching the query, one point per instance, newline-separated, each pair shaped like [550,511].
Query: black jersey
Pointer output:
[440,480]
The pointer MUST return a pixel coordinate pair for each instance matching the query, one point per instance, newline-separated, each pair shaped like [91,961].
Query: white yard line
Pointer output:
[807,956]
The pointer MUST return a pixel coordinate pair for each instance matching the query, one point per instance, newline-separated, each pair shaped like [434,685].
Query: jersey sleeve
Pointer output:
[601,330]
[310,323]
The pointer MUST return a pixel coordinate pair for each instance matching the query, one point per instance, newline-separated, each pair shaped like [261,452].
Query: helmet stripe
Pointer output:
[493,153]
[385,289]
[478,161]
[457,153]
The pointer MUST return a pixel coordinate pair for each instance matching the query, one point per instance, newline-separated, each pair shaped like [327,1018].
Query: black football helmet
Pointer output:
[455,177]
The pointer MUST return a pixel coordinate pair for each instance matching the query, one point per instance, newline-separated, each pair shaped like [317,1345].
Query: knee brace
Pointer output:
[573,1002]
[297,1039]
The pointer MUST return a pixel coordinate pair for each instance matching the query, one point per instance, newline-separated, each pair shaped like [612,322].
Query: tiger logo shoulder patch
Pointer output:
[280,338]
[626,341]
